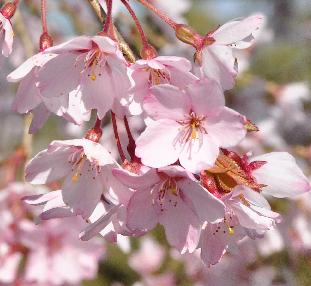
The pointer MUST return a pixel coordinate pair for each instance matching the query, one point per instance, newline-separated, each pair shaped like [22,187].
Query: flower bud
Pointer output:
[188,35]
[8,10]
[148,52]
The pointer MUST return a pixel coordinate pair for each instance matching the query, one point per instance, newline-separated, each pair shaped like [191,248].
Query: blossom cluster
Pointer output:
[184,171]
[50,255]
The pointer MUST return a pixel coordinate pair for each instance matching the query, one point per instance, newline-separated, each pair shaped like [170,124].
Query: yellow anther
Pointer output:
[194,132]
[79,167]
[174,191]
[231,230]
[75,178]
[93,77]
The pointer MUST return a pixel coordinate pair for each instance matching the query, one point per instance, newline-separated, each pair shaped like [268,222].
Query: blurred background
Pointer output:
[273,91]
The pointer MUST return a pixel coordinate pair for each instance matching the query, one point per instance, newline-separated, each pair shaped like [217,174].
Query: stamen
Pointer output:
[79,167]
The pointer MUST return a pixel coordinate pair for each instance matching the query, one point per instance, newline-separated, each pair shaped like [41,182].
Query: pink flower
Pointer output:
[173,198]
[247,213]
[85,166]
[6,35]
[29,98]
[188,126]
[56,256]
[148,258]
[159,70]
[93,66]
[217,58]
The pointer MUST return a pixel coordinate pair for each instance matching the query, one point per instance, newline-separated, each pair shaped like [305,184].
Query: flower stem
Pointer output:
[43,17]
[137,23]
[116,136]
[159,13]
[108,21]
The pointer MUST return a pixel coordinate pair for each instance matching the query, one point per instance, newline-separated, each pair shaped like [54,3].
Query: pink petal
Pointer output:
[219,64]
[120,80]
[105,44]
[40,115]
[237,30]
[178,63]
[41,199]
[182,227]
[206,97]
[213,247]
[57,104]
[181,78]
[96,227]
[137,182]
[8,38]
[256,214]
[73,45]
[48,166]
[206,206]
[57,212]
[141,214]
[51,76]
[176,171]
[117,192]
[155,146]
[201,155]
[226,128]
[281,174]
[82,196]
[77,112]
[27,96]
[24,69]
[166,102]
[97,94]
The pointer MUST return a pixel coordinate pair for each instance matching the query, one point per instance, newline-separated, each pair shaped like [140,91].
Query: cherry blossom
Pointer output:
[56,255]
[172,197]
[188,126]
[238,181]
[93,66]
[218,61]
[159,70]
[29,99]
[247,213]
[83,164]
[148,258]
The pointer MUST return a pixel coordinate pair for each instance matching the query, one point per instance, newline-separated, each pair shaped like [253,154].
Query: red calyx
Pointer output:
[46,41]
[148,52]
[8,10]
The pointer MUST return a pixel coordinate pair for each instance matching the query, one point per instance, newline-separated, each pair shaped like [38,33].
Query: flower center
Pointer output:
[225,226]
[78,160]
[167,193]
[192,127]
[93,63]
[158,76]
